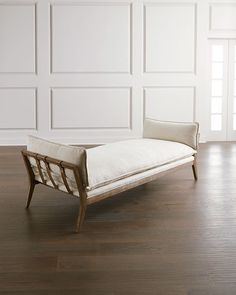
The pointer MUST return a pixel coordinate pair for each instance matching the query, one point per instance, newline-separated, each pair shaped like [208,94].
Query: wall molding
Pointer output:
[35,110]
[177,4]
[99,128]
[210,11]
[131,70]
[35,37]
[99,4]
[169,87]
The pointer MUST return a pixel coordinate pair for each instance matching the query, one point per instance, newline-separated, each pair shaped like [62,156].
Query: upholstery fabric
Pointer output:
[186,133]
[58,180]
[118,183]
[111,162]
[137,177]
[71,154]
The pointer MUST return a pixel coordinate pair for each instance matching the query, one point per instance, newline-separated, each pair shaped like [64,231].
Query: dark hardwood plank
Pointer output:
[172,236]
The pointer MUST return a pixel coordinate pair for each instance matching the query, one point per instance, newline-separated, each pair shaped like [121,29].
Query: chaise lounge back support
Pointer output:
[64,167]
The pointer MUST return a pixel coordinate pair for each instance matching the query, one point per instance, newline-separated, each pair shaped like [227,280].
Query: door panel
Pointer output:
[222,90]
[218,92]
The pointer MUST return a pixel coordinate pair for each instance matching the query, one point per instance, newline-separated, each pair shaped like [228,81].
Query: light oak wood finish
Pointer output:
[194,168]
[62,166]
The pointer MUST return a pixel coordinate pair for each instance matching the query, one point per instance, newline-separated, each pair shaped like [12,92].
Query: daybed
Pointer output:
[100,172]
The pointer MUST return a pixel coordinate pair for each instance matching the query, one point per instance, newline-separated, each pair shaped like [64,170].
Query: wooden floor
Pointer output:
[172,236]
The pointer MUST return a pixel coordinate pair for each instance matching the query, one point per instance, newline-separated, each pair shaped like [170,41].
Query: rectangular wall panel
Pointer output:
[96,108]
[91,60]
[17,38]
[91,38]
[222,16]
[169,103]
[18,108]
[169,37]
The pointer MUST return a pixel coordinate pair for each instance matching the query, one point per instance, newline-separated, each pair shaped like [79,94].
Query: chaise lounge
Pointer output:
[100,172]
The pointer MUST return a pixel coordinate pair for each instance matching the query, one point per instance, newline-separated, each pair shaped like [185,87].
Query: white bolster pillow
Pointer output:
[186,133]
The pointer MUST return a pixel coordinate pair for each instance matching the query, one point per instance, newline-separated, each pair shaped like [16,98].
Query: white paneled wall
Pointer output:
[91,108]
[222,16]
[91,38]
[90,72]
[17,38]
[172,49]
[18,108]
[174,103]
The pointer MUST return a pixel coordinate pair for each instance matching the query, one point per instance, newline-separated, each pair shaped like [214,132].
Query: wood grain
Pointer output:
[171,236]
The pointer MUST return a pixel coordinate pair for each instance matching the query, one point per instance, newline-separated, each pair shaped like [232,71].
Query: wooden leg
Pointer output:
[82,211]
[194,168]
[30,194]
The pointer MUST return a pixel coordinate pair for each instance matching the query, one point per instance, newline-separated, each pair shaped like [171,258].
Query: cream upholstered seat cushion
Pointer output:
[136,177]
[114,184]
[111,162]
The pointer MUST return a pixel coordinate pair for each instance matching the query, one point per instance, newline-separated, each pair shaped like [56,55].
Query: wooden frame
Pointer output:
[84,200]
[62,166]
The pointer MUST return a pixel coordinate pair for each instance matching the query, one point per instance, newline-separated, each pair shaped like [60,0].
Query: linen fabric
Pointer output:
[137,177]
[114,161]
[186,133]
[102,165]
[119,183]
[71,154]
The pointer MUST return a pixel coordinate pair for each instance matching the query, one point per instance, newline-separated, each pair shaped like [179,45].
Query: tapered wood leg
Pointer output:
[194,168]
[82,211]
[30,194]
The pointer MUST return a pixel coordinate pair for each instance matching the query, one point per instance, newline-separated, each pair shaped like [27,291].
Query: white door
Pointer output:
[222,90]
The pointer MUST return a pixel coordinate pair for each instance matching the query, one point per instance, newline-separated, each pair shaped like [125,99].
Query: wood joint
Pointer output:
[63,175]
